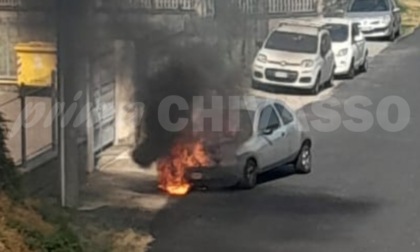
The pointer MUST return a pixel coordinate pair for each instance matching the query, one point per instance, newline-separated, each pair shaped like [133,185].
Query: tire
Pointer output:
[329,83]
[249,175]
[364,67]
[352,71]
[398,34]
[392,36]
[317,86]
[303,163]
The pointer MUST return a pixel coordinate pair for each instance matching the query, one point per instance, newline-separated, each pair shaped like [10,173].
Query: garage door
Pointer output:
[103,74]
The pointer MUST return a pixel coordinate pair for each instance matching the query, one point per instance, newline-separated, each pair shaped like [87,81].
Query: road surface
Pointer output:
[362,196]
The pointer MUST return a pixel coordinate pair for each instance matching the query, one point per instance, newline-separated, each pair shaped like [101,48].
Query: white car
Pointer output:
[269,136]
[349,46]
[295,55]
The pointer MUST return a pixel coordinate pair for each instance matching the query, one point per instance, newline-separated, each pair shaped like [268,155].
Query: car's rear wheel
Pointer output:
[303,163]
[249,176]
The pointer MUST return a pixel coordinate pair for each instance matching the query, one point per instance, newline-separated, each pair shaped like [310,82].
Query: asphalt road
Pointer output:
[362,196]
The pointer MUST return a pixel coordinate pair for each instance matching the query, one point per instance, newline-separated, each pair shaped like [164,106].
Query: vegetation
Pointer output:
[22,227]
[410,14]
[9,181]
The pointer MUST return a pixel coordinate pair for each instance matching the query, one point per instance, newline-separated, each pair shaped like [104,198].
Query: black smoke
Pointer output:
[189,70]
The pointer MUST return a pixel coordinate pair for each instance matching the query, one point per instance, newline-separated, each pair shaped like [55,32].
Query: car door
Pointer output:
[271,133]
[329,57]
[325,67]
[292,137]
[359,44]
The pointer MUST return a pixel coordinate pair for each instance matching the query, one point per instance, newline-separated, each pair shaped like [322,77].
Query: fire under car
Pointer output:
[269,136]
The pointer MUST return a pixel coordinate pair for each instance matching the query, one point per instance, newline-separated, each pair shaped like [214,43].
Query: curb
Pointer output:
[405,36]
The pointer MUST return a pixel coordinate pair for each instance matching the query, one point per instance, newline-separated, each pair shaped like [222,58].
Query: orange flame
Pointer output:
[172,169]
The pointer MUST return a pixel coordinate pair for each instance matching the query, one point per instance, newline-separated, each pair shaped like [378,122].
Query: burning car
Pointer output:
[267,136]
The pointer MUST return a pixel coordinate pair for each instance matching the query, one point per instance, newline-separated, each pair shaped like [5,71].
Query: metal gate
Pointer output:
[103,94]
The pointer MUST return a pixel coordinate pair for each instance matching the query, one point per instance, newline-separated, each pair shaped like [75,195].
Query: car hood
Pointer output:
[366,15]
[289,57]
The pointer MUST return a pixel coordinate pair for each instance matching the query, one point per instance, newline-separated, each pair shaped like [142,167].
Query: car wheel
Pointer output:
[352,71]
[303,163]
[329,83]
[364,67]
[317,86]
[249,176]
[398,34]
[392,36]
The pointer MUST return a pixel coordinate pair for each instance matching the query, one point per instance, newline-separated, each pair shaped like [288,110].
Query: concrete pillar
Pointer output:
[126,110]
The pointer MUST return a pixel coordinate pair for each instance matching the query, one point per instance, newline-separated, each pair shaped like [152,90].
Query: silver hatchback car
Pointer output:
[377,18]
[270,136]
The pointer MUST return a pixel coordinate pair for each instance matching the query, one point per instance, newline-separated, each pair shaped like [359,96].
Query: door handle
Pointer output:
[283,134]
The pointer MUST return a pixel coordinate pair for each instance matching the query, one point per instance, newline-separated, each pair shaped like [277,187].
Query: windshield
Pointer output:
[338,32]
[369,6]
[292,42]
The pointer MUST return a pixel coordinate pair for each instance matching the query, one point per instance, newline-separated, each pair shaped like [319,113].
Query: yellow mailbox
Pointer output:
[36,62]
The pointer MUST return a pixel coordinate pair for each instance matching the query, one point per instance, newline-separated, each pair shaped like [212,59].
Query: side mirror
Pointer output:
[396,9]
[358,38]
[267,131]
[259,44]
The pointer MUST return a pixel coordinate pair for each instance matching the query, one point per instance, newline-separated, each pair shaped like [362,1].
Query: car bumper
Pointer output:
[217,176]
[377,32]
[297,77]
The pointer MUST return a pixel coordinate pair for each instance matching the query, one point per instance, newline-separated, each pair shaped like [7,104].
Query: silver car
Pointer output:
[270,136]
[377,18]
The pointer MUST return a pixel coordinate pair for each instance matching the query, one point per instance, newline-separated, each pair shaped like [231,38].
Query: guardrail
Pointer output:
[148,4]
[292,6]
[246,6]
[10,3]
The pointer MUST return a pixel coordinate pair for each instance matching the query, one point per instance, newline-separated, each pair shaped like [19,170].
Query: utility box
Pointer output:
[36,62]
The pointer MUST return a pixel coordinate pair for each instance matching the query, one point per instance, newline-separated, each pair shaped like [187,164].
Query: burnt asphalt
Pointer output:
[362,196]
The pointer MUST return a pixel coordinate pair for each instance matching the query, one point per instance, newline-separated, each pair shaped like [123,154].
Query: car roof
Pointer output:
[253,103]
[301,26]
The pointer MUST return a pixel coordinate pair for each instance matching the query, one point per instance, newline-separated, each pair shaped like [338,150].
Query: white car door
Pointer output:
[327,58]
[291,128]
[272,134]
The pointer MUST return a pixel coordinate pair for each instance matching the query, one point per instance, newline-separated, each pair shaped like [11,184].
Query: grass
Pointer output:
[410,11]
[23,228]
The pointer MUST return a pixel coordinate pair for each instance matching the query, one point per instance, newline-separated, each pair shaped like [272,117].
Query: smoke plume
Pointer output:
[190,70]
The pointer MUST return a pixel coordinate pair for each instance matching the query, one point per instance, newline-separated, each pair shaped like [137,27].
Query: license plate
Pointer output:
[280,74]
[196,176]
[366,28]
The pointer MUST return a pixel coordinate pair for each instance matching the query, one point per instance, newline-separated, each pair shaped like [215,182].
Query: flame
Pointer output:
[172,168]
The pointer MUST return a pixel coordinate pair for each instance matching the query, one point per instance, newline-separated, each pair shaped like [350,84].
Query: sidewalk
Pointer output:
[119,202]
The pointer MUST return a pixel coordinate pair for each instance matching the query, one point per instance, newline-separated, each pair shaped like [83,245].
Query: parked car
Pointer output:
[295,55]
[377,18]
[349,46]
[271,136]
